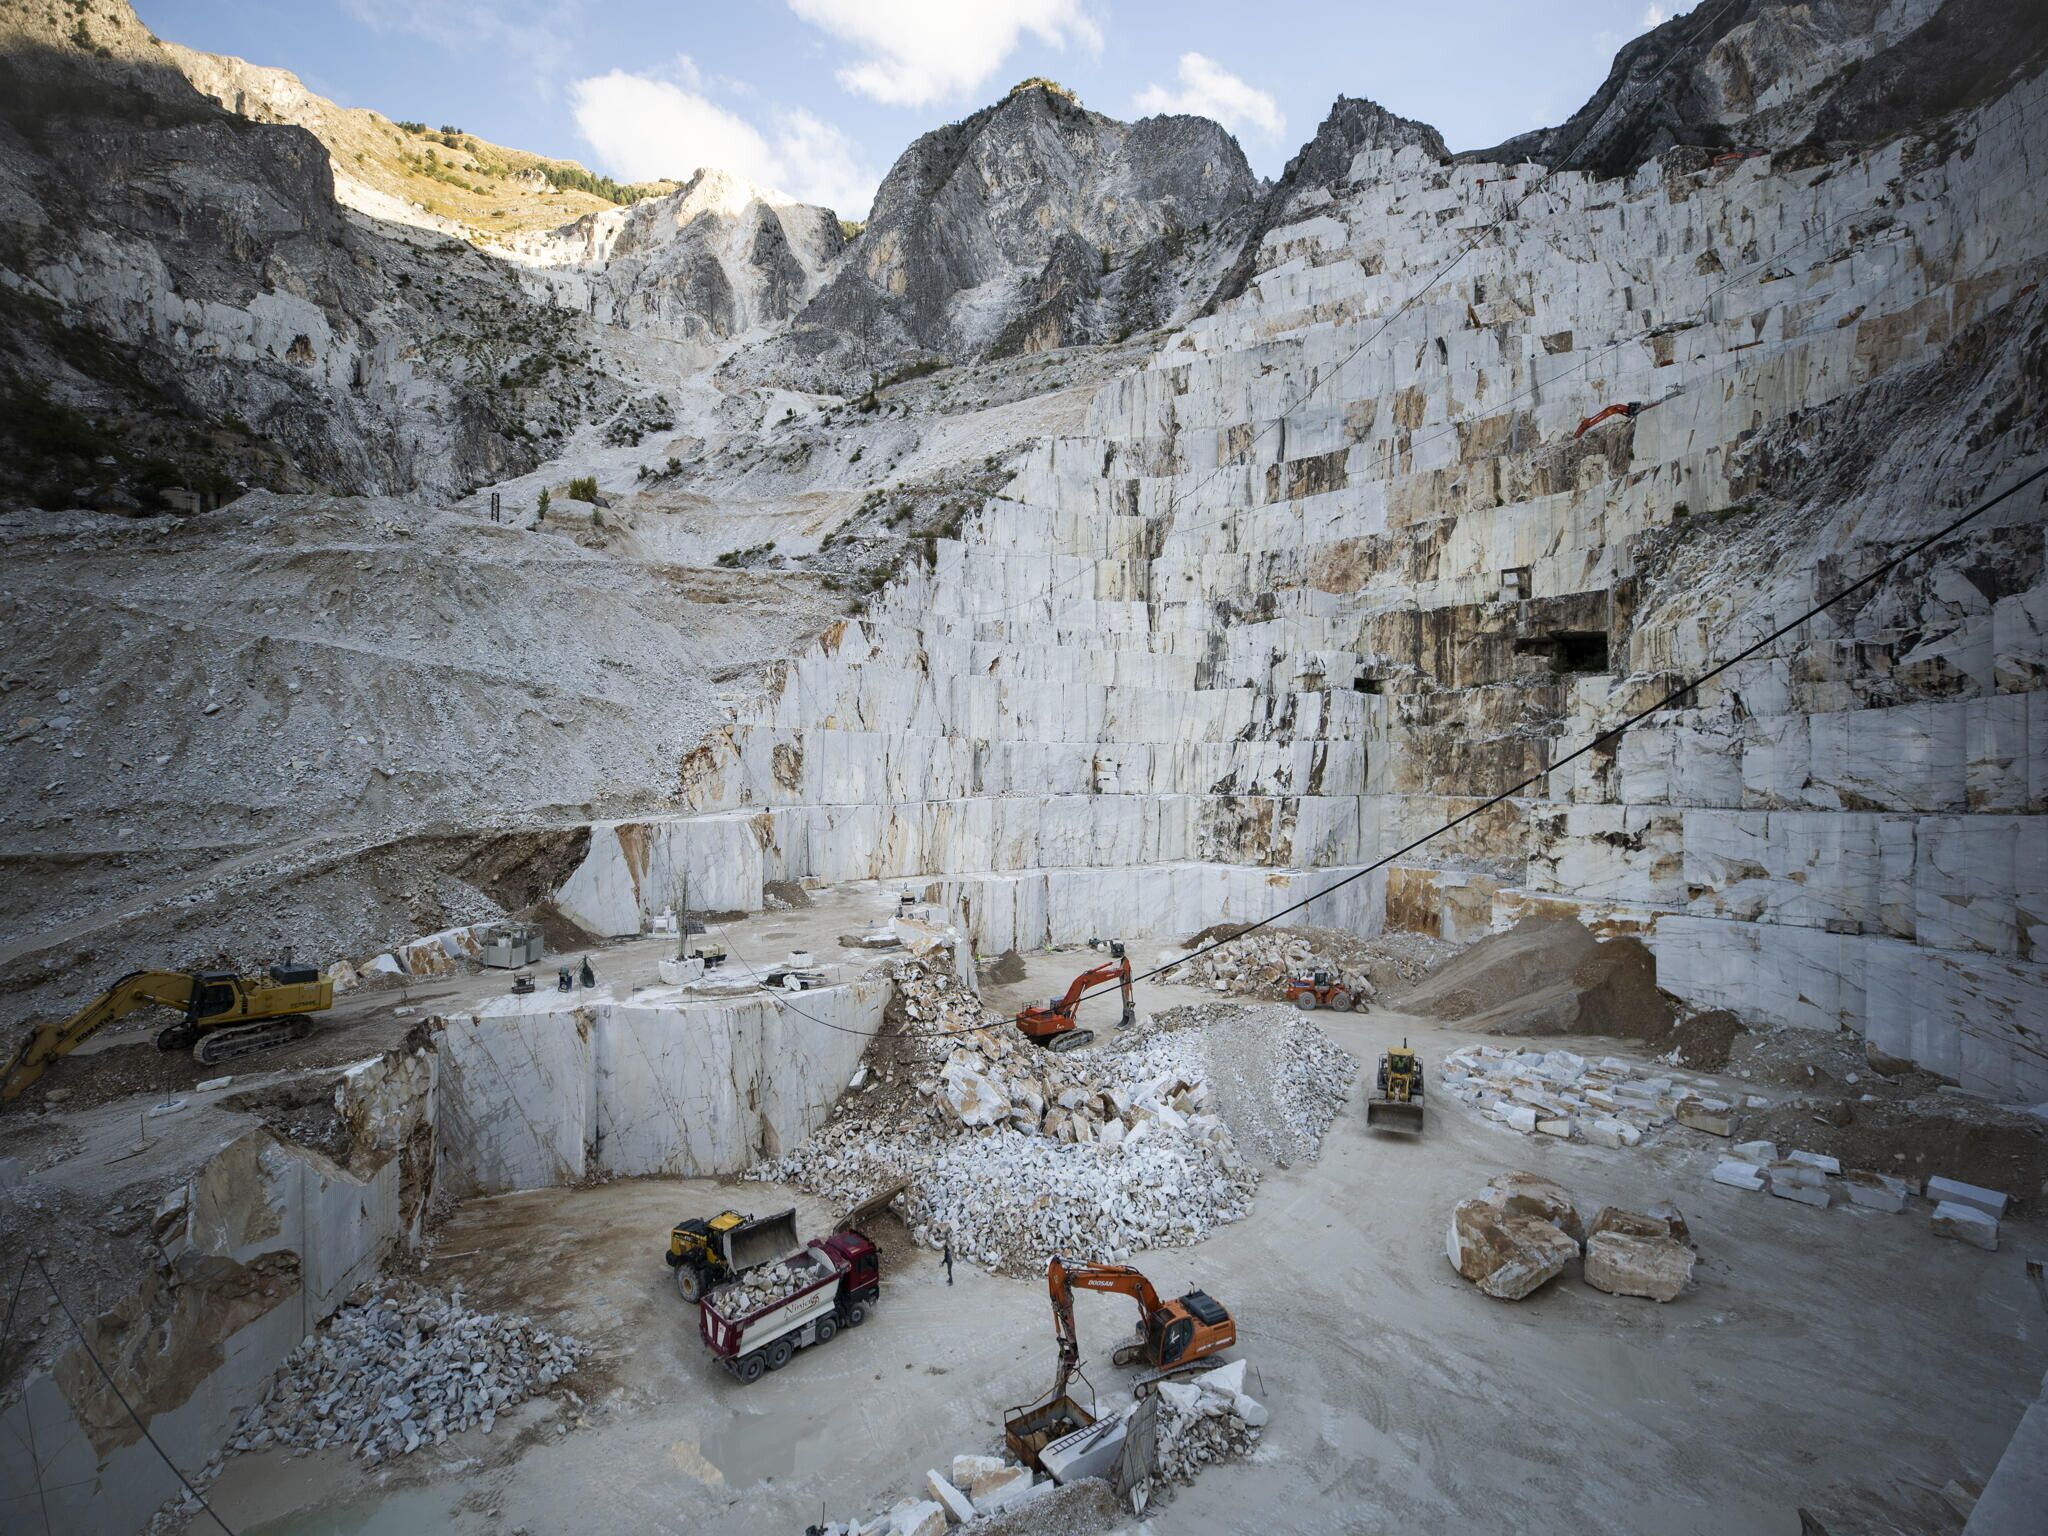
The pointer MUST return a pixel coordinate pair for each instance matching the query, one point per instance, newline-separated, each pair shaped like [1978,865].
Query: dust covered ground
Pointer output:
[1400,1396]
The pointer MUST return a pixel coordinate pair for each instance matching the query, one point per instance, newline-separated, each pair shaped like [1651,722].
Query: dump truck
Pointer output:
[1396,1103]
[706,1251]
[829,1285]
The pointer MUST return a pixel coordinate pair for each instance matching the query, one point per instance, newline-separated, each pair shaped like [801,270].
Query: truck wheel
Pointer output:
[690,1281]
[856,1314]
[1305,1001]
[826,1328]
[779,1353]
[750,1367]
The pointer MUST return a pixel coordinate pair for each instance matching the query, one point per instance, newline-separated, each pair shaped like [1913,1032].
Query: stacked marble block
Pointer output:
[1846,866]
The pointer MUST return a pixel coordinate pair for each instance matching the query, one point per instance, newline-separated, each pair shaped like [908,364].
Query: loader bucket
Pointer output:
[1392,1115]
[761,1241]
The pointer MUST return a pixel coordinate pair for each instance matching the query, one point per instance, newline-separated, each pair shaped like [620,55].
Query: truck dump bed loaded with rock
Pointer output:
[755,1323]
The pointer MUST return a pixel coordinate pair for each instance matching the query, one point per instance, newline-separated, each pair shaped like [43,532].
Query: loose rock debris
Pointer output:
[408,1367]
[1610,1102]
[1966,1212]
[1201,1421]
[764,1286]
[1013,1153]
[1260,964]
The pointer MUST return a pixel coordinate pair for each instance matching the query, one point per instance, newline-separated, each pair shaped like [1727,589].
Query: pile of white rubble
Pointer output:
[1013,1152]
[997,1077]
[1007,1198]
[408,1367]
[1204,1420]
[1609,1102]
[764,1285]
[1261,964]
[1279,1081]
[1968,1213]
[974,1487]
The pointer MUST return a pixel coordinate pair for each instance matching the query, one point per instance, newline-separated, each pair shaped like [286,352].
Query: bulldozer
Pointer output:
[1053,1025]
[224,1015]
[1173,1337]
[1396,1104]
[705,1251]
[1319,989]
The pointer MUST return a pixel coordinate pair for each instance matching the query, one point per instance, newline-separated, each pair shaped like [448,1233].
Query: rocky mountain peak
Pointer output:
[1033,223]
[1322,169]
[1774,74]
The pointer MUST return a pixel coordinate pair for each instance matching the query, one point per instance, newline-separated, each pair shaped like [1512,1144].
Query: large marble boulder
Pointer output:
[1506,1253]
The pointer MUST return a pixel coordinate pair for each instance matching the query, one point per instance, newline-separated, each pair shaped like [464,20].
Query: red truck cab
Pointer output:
[862,1282]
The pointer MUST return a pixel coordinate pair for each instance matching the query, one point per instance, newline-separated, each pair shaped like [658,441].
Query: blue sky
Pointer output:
[817,97]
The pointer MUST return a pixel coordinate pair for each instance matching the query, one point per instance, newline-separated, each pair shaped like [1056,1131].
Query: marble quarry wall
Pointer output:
[265,1239]
[1309,587]
[553,1088]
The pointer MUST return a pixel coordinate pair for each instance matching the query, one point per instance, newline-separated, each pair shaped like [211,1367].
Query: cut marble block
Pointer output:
[1989,1201]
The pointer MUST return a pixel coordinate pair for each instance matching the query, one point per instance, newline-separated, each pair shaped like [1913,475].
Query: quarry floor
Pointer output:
[1816,1350]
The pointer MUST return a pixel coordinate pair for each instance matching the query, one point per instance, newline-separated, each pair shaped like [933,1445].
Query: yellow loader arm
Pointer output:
[138,989]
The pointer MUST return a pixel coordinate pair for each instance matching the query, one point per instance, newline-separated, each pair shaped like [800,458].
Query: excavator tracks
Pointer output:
[240,1039]
[1072,1040]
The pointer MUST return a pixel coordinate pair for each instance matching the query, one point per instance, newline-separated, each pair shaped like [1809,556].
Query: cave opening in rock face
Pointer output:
[1568,651]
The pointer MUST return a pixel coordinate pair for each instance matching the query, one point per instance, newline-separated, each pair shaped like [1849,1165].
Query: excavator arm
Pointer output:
[138,989]
[1060,1280]
[1052,1023]
[1088,980]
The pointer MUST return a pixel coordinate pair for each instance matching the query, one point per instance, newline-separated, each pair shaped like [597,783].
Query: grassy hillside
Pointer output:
[488,189]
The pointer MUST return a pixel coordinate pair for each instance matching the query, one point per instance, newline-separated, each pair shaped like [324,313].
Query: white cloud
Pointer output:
[911,53]
[642,128]
[1207,89]
[1607,43]
[536,32]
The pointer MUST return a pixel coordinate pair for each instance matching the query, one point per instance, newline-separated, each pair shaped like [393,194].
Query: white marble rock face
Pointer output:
[1246,632]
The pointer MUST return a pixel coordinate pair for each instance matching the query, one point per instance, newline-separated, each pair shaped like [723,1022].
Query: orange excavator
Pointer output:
[1053,1026]
[1172,1337]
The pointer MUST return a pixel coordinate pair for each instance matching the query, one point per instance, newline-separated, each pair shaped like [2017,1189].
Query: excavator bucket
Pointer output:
[1404,1116]
[1029,1430]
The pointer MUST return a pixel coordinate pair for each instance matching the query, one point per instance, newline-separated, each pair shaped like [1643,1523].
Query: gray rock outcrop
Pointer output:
[1032,224]
[185,297]
[1772,74]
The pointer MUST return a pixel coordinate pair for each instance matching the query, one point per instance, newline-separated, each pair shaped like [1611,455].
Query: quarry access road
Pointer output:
[1802,1360]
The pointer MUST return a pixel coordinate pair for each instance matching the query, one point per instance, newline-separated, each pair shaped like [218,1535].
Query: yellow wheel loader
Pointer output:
[1396,1104]
[225,1015]
[705,1251]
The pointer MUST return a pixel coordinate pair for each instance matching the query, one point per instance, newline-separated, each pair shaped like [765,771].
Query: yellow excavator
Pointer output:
[225,1015]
